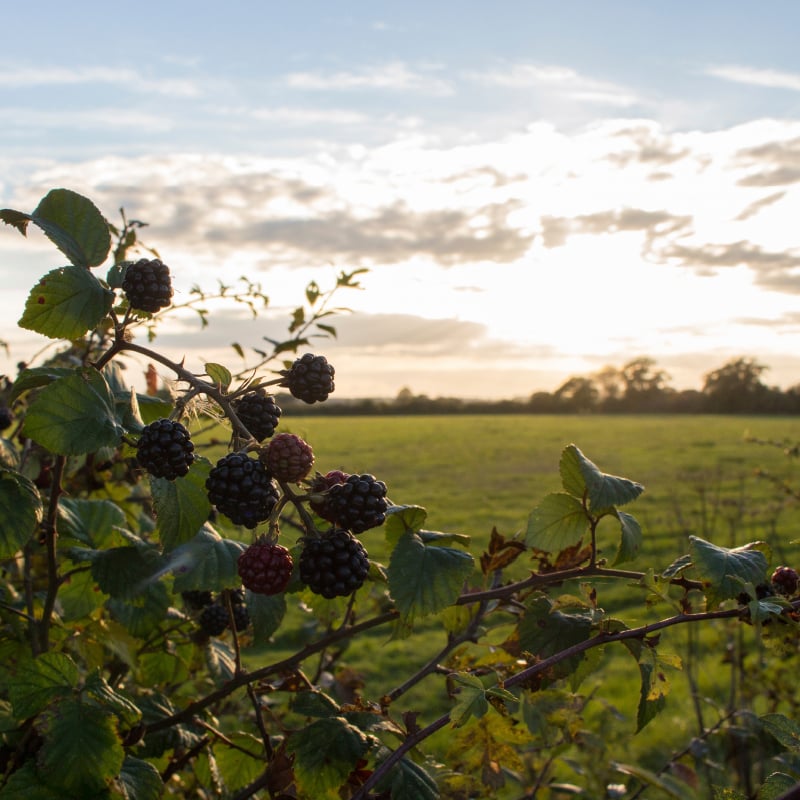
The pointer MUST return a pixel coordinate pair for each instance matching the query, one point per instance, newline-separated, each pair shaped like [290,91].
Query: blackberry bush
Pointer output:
[288,458]
[334,565]
[148,285]
[240,487]
[310,378]
[258,412]
[165,449]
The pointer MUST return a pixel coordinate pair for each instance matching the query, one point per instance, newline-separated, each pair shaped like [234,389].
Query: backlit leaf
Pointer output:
[725,570]
[558,522]
[140,780]
[603,490]
[219,374]
[181,505]
[39,681]
[403,519]
[20,511]
[631,537]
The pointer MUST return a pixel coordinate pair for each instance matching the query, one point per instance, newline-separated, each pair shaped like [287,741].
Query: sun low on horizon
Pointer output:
[534,192]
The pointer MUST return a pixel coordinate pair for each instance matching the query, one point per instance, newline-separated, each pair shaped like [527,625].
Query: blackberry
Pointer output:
[258,412]
[165,449]
[196,600]
[6,418]
[334,565]
[288,458]
[213,619]
[265,568]
[319,486]
[241,489]
[237,597]
[309,379]
[241,617]
[785,580]
[358,503]
[148,285]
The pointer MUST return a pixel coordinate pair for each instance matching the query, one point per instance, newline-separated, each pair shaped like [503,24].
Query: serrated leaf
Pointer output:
[239,765]
[35,377]
[66,303]
[220,660]
[84,737]
[603,490]
[181,506]
[25,784]
[79,596]
[470,701]
[631,537]
[140,780]
[558,522]
[266,614]
[207,562]
[16,219]
[425,579]
[403,519]
[314,704]
[93,522]
[409,781]
[725,570]
[75,225]
[437,537]
[142,615]
[219,374]
[20,511]
[41,680]
[325,753]
[785,730]
[678,566]
[97,686]
[125,572]
[73,415]
[775,785]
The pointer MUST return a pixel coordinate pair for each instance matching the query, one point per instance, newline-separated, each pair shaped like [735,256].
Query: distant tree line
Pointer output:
[639,387]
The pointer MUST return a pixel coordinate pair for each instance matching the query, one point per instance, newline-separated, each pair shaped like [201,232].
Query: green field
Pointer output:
[473,473]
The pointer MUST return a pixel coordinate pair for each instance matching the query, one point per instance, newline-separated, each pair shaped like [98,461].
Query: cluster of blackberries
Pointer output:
[147,285]
[212,613]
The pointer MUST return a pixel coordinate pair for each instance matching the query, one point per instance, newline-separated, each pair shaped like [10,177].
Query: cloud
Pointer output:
[753,76]
[23,77]
[775,163]
[757,205]
[649,146]
[394,76]
[556,78]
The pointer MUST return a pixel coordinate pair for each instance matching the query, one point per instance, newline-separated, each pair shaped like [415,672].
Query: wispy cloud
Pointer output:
[557,78]
[394,76]
[20,77]
[752,76]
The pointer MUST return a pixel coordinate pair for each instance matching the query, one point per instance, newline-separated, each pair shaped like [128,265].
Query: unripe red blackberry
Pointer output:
[288,458]
[309,379]
[785,580]
[358,503]
[319,486]
[258,412]
[334,565]
[148,285]
[265,568]
[241,489]
[213,619]
[165,449]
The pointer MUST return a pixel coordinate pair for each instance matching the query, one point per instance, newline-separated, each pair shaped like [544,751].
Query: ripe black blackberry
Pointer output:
[309,379]
[6,418]
[196,600]
[165,449]
[213,619]
[237,596]
[265,567]
[358,503]
[334,565]
[148,285]
[241,489]
[258,412]
[288,458]
[319,487]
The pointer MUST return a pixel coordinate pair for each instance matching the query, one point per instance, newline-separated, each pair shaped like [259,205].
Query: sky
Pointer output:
[537,189]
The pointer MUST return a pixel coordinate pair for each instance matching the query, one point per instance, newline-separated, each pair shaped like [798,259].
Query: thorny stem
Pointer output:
[50,535]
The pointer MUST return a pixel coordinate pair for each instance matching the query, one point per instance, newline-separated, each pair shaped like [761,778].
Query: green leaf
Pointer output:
[240,765]
[580,475]
[66,303]
[666,783]
[425,579]
[785,730]
[17,219]
[403,519]
[74,415]
[35,377]
[25,784]
[325,753]
[219,374]
[220,660]
[409,781]
[558,522]
[631,539]
[126,572]
[39,681]
[207,562]
[142,615]
[314,704]
[79,596]
[266,614]
[471,699]
[93,522]
[76,227]
[97,687]
[775,785]
[437,537]
[20,511]
[181,506]
[81,751]
[140,780]
[724,570]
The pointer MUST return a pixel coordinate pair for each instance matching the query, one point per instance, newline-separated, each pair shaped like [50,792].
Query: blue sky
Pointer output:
[538,189]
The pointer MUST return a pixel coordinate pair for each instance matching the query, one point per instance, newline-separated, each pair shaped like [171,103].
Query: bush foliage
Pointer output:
[118,683]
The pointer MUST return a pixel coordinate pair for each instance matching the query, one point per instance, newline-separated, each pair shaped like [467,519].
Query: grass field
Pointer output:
[472,473]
